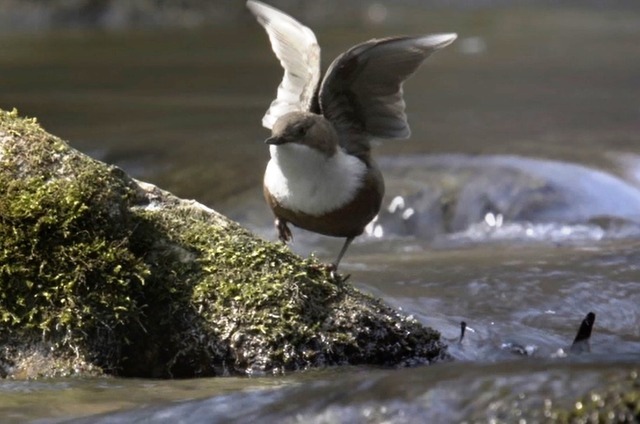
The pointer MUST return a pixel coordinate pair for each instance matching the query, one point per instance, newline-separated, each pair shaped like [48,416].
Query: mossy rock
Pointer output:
[100,273]
[617,402]
[614,399]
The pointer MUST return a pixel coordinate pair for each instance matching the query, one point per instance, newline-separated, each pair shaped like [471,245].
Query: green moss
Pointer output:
[253,305]
[616,400]
[617,403]
[66,271]
[133,280]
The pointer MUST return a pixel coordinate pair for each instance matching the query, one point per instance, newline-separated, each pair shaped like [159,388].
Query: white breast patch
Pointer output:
[303,179]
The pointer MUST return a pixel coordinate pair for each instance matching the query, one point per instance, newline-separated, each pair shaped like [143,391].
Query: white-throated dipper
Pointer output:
[321,176]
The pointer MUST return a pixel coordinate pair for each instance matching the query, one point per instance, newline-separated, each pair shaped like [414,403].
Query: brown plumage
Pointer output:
[348,221]
[321,176]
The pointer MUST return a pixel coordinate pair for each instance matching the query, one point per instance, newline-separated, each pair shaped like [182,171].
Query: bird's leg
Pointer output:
[345,246]
[333,268]
[284,233]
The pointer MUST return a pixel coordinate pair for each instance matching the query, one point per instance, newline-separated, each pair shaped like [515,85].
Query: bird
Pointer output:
[321,176]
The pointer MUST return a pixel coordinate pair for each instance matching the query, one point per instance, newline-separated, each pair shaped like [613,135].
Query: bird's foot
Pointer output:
[284,233]
[332,269]
[339,278]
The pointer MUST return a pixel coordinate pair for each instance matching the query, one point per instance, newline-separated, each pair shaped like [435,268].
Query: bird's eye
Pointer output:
[297,131]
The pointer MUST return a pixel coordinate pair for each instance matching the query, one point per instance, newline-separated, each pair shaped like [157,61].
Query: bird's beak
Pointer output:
[273,140]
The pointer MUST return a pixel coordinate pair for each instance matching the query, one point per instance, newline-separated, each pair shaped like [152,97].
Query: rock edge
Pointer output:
[102,274]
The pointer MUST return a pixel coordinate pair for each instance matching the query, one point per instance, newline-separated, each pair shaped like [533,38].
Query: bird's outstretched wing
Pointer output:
[361,93]
[296,47]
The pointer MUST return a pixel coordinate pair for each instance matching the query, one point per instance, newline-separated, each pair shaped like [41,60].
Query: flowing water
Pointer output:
[514,207]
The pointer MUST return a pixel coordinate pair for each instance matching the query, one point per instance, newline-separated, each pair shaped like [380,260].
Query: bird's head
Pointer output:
[307,129]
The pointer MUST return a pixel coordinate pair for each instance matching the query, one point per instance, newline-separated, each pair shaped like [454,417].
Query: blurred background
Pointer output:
[514,206]
[38,15]
[531,117]
[173,91]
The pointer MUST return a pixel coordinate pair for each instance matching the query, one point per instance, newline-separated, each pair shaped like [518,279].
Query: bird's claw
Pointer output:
[332,270]
[339,278]
[333,273]
[284,233]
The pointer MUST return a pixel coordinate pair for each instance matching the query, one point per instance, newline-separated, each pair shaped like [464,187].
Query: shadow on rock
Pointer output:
[102,273]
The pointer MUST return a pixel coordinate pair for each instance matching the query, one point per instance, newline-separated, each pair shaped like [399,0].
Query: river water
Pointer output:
[513,207]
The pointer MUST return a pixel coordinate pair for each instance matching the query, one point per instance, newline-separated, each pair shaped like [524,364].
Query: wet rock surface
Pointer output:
[102,273]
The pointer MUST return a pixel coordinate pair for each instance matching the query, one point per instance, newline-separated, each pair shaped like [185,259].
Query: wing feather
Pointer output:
[361,93]
[296,47]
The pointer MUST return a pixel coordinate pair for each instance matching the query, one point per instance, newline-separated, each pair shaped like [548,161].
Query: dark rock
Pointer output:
[102,273]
